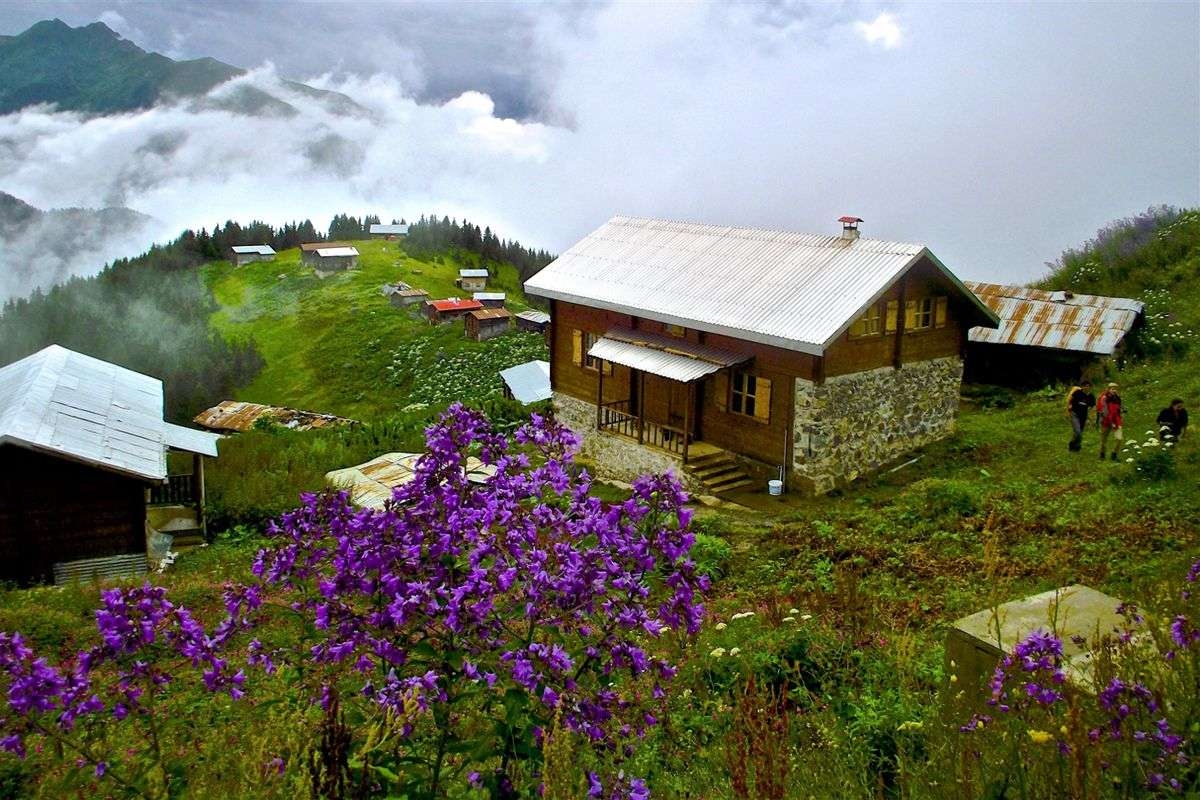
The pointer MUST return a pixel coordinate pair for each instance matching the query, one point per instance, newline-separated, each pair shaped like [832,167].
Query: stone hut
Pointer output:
[739,352]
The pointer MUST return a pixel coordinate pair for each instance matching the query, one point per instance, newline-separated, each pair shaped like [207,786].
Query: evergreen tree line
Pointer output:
[149,314]
[430,236]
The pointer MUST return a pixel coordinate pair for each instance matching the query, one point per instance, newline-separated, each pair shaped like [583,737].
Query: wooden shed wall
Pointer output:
[53,510]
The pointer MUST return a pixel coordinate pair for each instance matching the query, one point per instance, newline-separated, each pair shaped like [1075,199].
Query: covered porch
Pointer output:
[656,396]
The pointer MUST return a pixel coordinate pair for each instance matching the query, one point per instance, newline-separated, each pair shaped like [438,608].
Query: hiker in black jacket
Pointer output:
[1172,421]
[1079,404]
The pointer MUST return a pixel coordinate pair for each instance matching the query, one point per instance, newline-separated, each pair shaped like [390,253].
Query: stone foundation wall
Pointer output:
[855,423]
[615,457]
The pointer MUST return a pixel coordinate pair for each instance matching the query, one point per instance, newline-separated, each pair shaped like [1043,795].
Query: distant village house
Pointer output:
[439,311]
[1046,336]
[472,280]
[490,299]
[533,321]
[401,295]
[328,258]
[487,323]
[385,231]
[242,255]
[84,477]
[736,352]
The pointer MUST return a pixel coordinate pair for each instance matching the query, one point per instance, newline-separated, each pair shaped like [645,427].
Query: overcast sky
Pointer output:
[997,134]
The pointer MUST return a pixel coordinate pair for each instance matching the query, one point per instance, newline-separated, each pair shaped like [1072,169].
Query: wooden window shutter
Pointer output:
[721,390]
[939,313]
[893,311]
[762,398]
[577,347]
[608,367]
[910,315]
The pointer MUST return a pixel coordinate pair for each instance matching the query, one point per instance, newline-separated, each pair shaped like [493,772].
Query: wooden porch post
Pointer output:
[641,406]
[687,428]
[599,393]
[198,492]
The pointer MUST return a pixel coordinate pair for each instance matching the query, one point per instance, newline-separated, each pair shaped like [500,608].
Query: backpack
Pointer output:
[1071,393]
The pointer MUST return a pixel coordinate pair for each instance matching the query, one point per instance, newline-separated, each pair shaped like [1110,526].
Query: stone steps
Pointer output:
[719,471]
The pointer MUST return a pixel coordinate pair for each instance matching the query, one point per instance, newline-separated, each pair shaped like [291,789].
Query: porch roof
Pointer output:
[665,356]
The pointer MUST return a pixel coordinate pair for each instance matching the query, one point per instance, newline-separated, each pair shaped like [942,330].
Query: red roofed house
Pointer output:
[723,353]
[439,311]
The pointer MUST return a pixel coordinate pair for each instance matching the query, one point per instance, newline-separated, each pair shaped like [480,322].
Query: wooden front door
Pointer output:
[664,401]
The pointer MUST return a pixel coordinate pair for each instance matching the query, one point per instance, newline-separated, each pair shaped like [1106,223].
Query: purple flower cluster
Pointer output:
[1031,675]
[134,624]
[1134,714]
[525,583]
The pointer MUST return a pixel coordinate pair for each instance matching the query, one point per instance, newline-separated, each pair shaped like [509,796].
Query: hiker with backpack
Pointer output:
[1110,420]
[1080,401]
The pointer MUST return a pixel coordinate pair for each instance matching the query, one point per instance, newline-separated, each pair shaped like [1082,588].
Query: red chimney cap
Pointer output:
[849,220]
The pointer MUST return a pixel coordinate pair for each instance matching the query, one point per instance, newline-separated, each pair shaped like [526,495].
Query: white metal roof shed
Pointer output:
[472,273]
[528,382]
[254,249]
[67,404]
[336,252]
[539,317]
[792,290]
[481,296]
[384,229]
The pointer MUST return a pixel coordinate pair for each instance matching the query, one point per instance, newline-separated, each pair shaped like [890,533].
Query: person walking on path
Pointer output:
[1172,421]
[1079,404]
[1109,419]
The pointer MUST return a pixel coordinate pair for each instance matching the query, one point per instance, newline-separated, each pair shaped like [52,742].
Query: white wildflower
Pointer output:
[789,619]
[734,651]
[793,611]
[721,626]
[806,617]
[718,652]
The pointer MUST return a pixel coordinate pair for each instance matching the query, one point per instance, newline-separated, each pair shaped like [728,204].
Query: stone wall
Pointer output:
[855,423]
[614,457]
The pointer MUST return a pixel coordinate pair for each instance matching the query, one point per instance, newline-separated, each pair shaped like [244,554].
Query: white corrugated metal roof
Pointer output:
[190,439]
[472,273]
[666,356]
[1081,323]
[792,290]
[481,296]
[539,317]
[256,249]
[528,382]
[389,229]
[336,252]
[64,403]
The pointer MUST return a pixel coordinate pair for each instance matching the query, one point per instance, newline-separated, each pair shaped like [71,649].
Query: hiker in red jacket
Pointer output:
[1109,420]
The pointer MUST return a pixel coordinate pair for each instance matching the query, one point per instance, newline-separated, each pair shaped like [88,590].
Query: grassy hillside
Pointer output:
[331,344]
[821,660]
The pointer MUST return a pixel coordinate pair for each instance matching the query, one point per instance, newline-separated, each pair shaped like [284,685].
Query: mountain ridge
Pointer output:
[93,70]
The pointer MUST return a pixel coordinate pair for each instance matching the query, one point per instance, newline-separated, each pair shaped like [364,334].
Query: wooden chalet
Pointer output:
[85,477]
[241,255]
[402,295]
[533,321]
[487,323]
[472,280]
[491,299]
[439,311]
[737,352]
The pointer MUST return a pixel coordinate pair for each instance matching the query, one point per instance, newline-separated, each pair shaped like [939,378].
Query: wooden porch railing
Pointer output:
[615,417]
[177,491]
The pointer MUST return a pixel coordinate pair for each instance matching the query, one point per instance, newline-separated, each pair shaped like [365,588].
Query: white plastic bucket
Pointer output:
[775,487]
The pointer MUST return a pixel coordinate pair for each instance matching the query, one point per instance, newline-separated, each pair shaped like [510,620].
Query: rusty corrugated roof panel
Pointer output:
[791,290]
[238,416]
[1056,320]
[491,313]
[371,484]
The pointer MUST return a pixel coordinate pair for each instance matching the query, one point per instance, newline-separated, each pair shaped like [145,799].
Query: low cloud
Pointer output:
[768,116]
[884,31]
